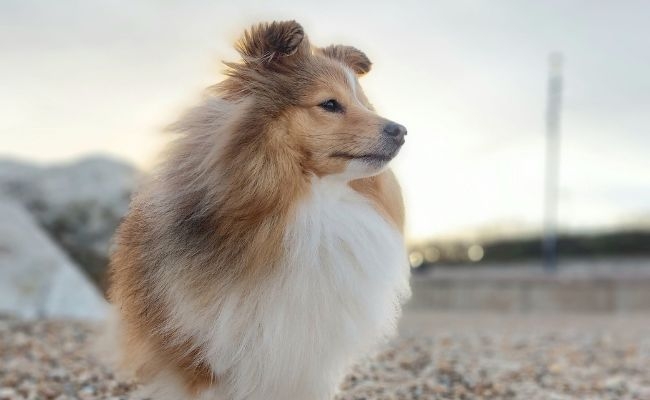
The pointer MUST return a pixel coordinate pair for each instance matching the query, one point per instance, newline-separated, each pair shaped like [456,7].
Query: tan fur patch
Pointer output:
[386,194]
[146,348]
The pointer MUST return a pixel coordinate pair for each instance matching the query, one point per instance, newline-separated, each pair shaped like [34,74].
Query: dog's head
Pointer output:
[312,98]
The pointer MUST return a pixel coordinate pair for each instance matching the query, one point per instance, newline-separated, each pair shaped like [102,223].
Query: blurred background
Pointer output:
[468,78]
[526,120]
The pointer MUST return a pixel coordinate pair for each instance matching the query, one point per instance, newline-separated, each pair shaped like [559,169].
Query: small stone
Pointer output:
[7,394]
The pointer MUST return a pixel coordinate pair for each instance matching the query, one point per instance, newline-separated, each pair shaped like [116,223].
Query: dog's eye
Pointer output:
[331,105]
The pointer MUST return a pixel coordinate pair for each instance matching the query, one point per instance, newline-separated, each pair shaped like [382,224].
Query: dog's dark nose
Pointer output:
[395,131]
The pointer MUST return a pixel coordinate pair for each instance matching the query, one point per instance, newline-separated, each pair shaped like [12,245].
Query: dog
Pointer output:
[265,254]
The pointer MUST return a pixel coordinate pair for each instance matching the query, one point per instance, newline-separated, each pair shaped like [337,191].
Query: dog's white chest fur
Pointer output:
[337,294]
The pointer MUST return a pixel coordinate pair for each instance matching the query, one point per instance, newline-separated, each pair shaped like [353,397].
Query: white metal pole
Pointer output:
[552,162]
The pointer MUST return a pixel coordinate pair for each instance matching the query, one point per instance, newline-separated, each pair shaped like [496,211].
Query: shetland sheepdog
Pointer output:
[265,254]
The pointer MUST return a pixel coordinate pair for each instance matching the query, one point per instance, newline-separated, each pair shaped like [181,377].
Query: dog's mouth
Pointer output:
[367,157]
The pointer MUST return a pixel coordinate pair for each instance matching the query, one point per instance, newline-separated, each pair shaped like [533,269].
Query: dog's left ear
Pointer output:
[271,43]
[351,56]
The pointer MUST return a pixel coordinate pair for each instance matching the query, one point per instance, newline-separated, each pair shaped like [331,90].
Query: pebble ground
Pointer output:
[438,356]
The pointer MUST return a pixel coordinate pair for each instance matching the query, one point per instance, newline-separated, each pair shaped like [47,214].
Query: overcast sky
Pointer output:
[468,79]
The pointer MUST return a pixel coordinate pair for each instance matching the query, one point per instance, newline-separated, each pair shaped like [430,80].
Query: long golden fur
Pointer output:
[214,214]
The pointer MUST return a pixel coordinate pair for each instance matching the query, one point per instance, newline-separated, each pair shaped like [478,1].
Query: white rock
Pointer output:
[79,204]
[37,279]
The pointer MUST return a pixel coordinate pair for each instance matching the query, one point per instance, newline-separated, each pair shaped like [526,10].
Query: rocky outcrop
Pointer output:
[79,204]
[37,279]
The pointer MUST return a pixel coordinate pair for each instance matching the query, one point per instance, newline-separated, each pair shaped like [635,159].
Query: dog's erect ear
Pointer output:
[269,42]
[353,57]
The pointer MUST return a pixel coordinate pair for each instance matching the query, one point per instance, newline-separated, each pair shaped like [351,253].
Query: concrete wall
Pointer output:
[573,288]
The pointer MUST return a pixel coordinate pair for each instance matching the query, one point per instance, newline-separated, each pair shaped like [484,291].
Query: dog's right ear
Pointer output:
[351,56]
[267,43]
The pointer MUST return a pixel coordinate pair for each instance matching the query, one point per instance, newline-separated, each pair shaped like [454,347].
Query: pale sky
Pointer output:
[468,79]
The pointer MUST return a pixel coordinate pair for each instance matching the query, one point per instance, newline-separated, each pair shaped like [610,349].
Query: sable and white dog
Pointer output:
[265,255]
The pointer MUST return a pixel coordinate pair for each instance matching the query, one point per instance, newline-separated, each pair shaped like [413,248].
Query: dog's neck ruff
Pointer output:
[335,295]
[343,279]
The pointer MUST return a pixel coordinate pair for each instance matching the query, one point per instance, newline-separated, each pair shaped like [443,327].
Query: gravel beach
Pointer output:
[438,356]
